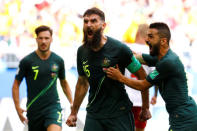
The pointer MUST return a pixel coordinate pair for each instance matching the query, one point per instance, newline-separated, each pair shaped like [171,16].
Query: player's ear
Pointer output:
[104,25]
[163,41]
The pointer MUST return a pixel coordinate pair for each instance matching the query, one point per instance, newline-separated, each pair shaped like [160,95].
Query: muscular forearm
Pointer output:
[135,84]
[81,90]
[68,94]
[145,98]
[67,91]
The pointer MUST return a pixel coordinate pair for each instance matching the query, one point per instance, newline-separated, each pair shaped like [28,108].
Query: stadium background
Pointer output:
[18,19]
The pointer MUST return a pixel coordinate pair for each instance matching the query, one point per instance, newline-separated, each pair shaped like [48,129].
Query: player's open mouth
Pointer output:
[43,45]
[90,32]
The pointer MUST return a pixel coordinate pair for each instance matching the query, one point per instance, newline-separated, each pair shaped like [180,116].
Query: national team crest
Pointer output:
[54,68]
[106,62]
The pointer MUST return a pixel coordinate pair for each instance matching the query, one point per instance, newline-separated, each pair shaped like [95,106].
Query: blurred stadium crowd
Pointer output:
[18,19]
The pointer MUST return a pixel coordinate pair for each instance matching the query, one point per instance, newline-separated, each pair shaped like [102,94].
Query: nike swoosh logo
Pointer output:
[34,67]
[84,62]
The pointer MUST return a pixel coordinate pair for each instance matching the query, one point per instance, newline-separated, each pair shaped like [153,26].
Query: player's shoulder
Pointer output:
[81,47]
[56,56]
[170,57]
[82,51]
[26,60]
[111,39]
[28,57]
[114,42]
[170,60]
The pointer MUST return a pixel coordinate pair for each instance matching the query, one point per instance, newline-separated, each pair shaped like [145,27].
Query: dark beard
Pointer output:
[94,43]
[155,51]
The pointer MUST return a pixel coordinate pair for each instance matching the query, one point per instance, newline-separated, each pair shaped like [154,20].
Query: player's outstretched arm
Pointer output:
[67,91]
[80,92]
[115,74]
[142,85]
[15,95]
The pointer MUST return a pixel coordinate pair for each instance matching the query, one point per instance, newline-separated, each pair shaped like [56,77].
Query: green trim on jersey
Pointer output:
[134,65]
[42,92]
[97,91]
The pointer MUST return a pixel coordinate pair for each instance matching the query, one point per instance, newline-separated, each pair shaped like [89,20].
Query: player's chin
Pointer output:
[44,49]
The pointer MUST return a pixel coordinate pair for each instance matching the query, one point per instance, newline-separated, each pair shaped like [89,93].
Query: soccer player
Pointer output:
[169,75]
[41,69]
[135,95]
[109,108]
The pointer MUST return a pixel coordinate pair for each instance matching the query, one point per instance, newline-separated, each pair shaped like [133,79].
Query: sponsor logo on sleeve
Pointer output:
[154,74]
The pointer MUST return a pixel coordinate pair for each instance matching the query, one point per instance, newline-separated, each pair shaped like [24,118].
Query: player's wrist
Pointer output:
[145,107]
[121,79]
[71,106]
[74,111]
[18,108]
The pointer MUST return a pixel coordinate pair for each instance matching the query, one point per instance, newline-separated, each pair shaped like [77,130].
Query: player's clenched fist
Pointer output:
[71,121]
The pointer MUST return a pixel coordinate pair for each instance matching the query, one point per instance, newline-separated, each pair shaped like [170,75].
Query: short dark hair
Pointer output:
[163,30]
[43,28]
[96,11]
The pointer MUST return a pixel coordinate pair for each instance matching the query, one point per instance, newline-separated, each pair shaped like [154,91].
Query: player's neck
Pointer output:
[163,52]
[43,55]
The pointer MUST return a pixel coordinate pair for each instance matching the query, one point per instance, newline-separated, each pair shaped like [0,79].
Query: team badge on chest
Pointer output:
[105,62]
[54,70]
